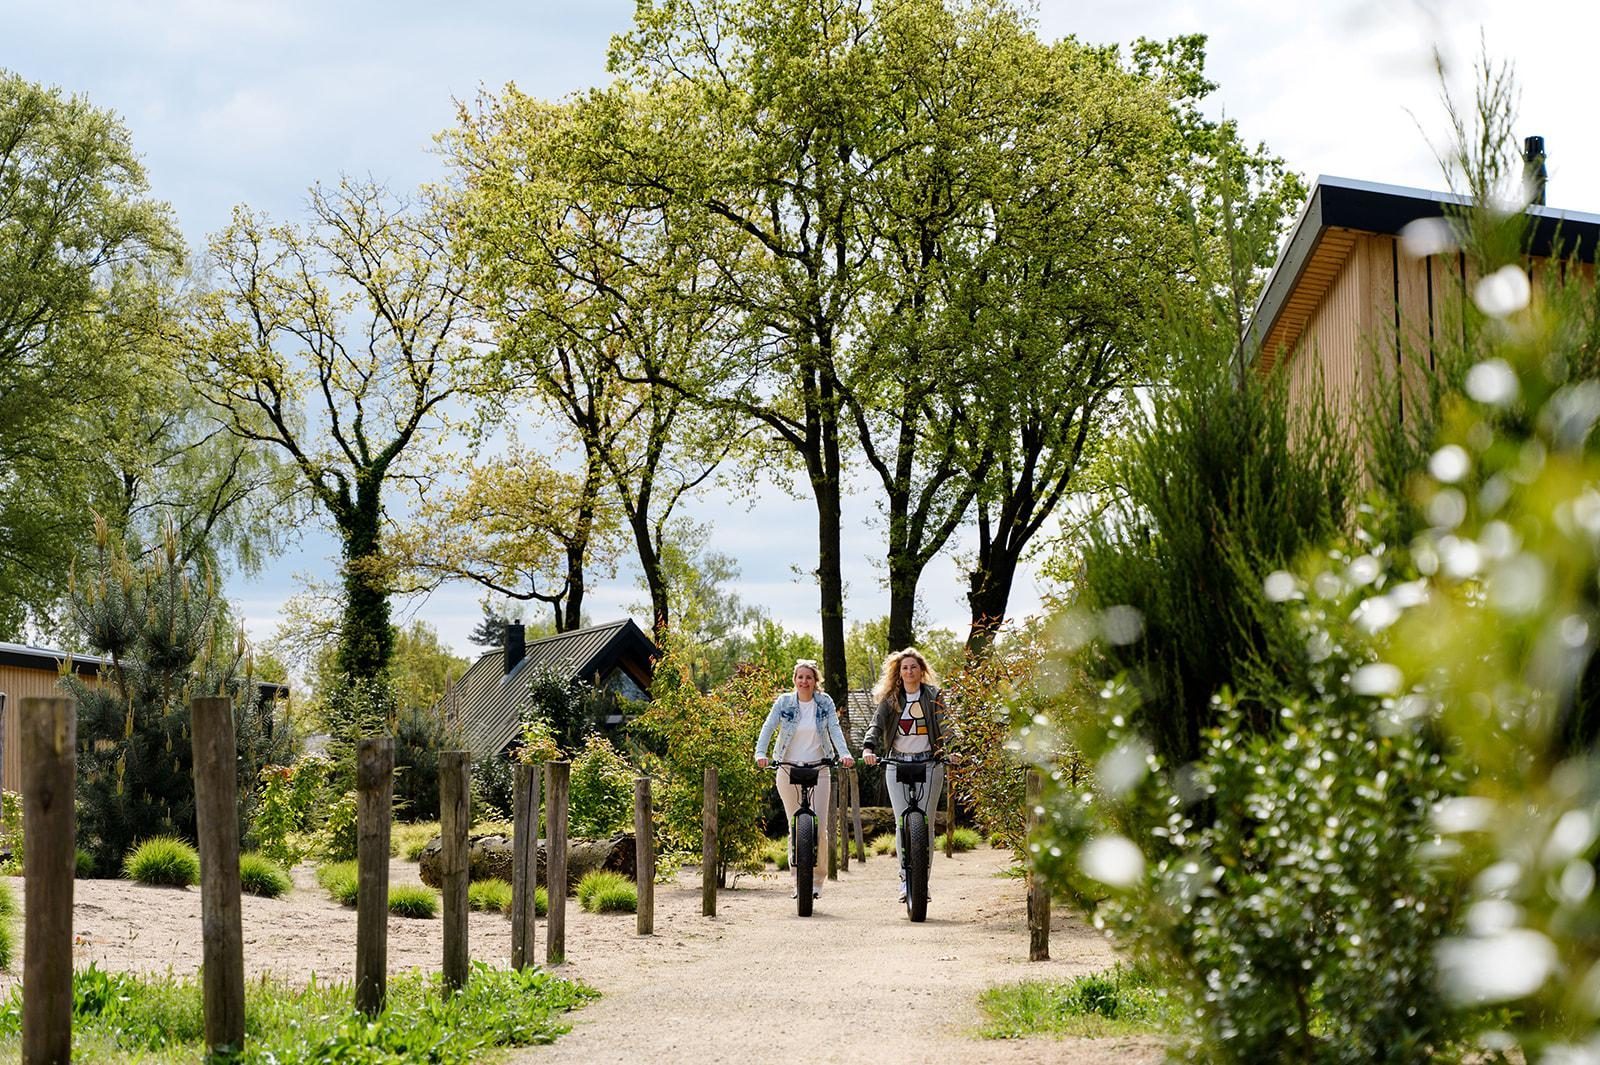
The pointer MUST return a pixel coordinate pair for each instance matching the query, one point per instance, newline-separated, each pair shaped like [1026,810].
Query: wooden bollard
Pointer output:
[374,810]
[216,815]
[841,817]
[524,864]
[1038,891]
[557,787]
[855,812]
[49,771]
[708,845]
[832,827]
[454,872]
[644,843]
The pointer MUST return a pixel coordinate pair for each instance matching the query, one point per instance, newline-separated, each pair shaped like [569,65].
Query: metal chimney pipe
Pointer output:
[515,644]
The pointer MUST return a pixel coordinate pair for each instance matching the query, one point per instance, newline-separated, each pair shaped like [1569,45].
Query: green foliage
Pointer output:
[337,838]
[607,892]
[83,864]
[260,875]
[966,839]
[353,709]
[601,796]
[8,931]
[776,852]
[119,1017]
[413,900]
[290,797]
[696,730]
[1117,1001]
[408,840]
[489,896]
[340,880]
[11,837]
[883,844]
[419,736]
[493,782]
[164,861]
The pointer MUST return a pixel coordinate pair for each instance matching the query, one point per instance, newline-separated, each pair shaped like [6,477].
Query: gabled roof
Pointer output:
[487,701]
[1341,209]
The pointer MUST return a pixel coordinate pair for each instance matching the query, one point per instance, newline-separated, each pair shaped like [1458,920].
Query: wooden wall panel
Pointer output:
[18,684]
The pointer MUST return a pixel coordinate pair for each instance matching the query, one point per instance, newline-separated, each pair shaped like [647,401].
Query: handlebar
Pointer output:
[826,763]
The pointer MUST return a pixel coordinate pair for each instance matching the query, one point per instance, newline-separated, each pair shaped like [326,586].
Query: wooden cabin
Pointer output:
[1348,300]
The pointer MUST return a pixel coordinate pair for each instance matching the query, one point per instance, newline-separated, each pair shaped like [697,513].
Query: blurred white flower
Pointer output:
[1465,813]
[1571,837]
[1517,586]
[1492,381]
[1280,586]
[1497,968]
[1503,293]
[1123,766]
[1376,614]
[1121,624]
[1427,236]
[1450,463]
[1376,678]
[1114,860]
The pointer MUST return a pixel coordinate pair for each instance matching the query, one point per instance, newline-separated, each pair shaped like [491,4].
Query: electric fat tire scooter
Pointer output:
[803,832]
[911,775]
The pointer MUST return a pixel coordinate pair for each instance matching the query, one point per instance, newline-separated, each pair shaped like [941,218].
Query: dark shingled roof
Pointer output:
[488,702]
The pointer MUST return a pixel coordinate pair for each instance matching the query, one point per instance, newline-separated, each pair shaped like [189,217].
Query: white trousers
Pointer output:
[820,797]
[929,803]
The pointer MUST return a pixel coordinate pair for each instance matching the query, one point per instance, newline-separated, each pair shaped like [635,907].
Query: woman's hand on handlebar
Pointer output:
[869,758]
[760,761]
[847,761]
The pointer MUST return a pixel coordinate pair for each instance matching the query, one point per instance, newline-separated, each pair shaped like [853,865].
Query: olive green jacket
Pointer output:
[880,735]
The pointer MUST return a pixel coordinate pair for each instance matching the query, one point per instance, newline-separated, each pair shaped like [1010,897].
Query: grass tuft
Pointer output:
[1116,1001]
[406,840]
[413,900]
[776,852]
[8,932]
[489,896]
[340,881]
[883,844]
[164,861]
[260,875]
[603,892]
[965,840]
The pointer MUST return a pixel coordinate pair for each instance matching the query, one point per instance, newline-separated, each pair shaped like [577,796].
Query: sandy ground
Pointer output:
[857,982]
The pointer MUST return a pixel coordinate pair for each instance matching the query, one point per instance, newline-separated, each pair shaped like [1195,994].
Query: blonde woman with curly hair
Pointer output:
[907,725]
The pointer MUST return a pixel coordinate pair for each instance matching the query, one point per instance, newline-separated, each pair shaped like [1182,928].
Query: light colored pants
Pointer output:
[929,804]
[820,796]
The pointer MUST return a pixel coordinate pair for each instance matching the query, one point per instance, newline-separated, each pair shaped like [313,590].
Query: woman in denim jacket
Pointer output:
[807,727]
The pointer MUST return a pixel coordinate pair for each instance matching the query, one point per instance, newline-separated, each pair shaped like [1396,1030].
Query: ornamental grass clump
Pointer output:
[8,913]
[340,880]
[163,861]
[489,896]
[413,900]
[606,892]
[966,839]
[261,876]
[883,844]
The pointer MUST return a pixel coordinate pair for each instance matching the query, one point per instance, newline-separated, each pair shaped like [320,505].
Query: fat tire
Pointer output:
[916,866]
[805,861]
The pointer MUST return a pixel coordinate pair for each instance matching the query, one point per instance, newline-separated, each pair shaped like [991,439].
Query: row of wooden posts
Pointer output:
[49,771]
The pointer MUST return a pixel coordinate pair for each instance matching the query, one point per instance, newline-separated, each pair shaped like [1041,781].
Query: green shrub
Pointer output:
[966,839]
[11,832]
[601,789]
[493,779]
[607,892]
[883,844]
[408,840]
[1117,1001]
[335,840]
[163,861]
[8,913]
[260,875]
[340,881]
[489,896]
[290,796]
[413,900]
[82,864]
[776,852]
[419,736]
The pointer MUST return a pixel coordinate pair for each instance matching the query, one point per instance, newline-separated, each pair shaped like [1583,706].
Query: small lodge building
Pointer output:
[488,700]
[1351,302]
[26,672]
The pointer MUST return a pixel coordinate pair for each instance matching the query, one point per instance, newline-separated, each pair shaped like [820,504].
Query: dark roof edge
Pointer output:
[22,657]
[1374,207]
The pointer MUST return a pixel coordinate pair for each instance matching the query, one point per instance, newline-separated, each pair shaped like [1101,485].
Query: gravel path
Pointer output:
[879,988]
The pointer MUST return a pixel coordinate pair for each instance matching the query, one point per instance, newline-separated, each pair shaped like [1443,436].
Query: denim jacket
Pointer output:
[782,717]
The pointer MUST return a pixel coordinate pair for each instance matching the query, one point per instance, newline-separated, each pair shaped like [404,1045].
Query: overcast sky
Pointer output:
[236,101]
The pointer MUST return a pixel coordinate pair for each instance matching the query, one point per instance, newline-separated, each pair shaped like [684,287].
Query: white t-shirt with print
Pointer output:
[911,730]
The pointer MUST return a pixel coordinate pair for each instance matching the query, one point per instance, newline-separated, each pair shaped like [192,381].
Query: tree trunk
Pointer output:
[367,639]
[989,591]
[904,573]
[650,565]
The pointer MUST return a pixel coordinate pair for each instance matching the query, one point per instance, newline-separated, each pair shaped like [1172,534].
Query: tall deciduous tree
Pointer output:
[336,344]
[77,230]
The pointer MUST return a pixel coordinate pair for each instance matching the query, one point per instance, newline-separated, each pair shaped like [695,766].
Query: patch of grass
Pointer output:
[120,1019]
[260,875]
[489,896]
[883,844]
[965,840]
[164,861]
[413,900]
[340,881]
[82,864]
[603,892]
[1116,1001]
[491,828]
[8,913]
[776,852]
[407,840]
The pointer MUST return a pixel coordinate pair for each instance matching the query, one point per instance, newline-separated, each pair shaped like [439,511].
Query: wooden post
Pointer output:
[524,865]
[855,810]
[216,815]
[644,843]
[1038,892]
[454,871]
[374,811]
[557,787]
[49,772]
[950,817]
[708,845]
[832,827]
